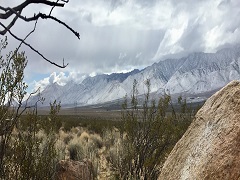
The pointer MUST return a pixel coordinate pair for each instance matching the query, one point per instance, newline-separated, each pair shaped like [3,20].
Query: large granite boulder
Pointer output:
[210,148]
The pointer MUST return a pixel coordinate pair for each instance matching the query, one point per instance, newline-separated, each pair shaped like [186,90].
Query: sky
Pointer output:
[122,35]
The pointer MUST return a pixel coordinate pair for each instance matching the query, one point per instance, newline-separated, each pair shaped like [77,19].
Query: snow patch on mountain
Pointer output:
[194,74]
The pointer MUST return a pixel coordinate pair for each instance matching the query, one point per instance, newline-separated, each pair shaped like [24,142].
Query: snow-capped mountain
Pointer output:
[197,73]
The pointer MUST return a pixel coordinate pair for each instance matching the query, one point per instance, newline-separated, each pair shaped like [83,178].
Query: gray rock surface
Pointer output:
[210,148]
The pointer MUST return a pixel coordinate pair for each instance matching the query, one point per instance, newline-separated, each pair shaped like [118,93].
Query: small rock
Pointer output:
[74,170]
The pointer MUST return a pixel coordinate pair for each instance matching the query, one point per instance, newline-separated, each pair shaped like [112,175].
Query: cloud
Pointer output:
[114,32]
[224,4]
[195,28]
[59,78]
[87,16]
[122,55]
[39,85]
[138,55]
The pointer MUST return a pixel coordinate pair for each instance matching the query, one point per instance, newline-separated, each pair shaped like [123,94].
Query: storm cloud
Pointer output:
[120,35]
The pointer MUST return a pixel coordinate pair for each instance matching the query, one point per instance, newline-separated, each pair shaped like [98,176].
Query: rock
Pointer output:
[210,148]
[74,170]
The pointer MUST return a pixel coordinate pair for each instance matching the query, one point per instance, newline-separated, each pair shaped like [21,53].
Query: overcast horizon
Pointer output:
[122,35]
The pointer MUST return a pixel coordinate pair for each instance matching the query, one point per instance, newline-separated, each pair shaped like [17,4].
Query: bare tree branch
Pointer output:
[9,26]
[9,12]
[53,8]
[17,10]
[35,25]
[44,16]
[23,42]
[34,18]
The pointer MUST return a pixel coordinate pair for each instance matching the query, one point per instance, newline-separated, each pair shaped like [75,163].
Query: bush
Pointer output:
[31,151]
[75,152]
[93,124]
[151,133]
[27,143]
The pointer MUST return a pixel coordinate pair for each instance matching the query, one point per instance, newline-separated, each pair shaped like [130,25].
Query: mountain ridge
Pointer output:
[197,73]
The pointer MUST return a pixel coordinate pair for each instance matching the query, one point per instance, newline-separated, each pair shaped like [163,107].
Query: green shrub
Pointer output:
[93,124]
[151,133]
[75,152]
[27,143]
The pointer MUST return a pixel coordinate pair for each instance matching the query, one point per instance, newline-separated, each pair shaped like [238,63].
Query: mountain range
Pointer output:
[194,75]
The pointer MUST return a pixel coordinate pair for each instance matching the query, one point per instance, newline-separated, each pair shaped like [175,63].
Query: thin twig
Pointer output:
[34,28]
[21,40]
[9,12]
[44,16]
[52,8]
[17,10]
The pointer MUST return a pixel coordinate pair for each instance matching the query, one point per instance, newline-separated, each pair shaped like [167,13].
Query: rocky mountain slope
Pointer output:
[210,148]
[195,74]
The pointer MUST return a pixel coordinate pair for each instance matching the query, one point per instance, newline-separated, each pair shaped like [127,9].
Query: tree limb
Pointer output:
[44,16]
[9,12]
[23,42]
[17,10]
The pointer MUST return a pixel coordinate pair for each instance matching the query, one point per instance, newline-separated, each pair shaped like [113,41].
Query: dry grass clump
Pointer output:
[79,144]
[110,137]
[84,137]
[111,152]
[61,149]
